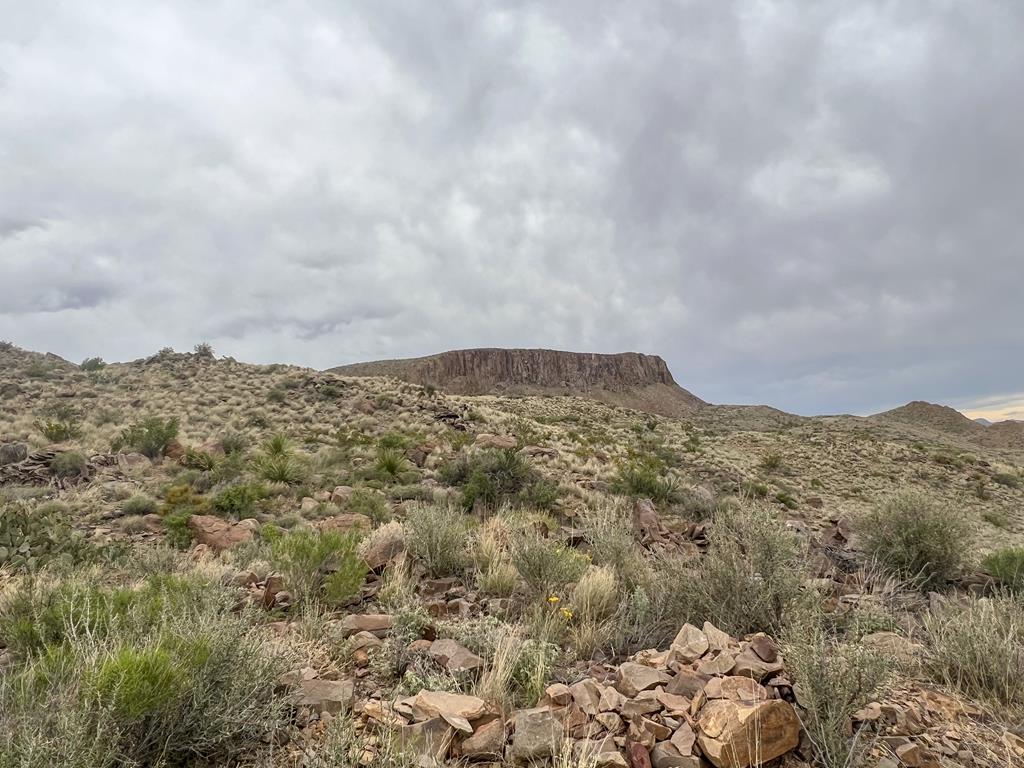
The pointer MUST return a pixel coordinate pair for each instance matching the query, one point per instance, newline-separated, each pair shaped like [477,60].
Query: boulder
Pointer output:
[750,664]
[386,543]
[332,696]
[486,743]
[500,442]
[538,734]
[12,453]
[428,740]
[734,734]
[632,678]
[219,534]
[378,624]
[664,755]
[427,704]
[690,644]
[454,657]
[341,493]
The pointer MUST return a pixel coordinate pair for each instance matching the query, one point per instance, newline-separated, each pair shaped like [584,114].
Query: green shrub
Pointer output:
[916,537]
[180,503]
[234,443]
[439,536]
[200,460]
[277,396]
[69,464]
[608,531]
[141,678]
[978,647]
[546,565]
[645,479]
[391,463]
[60,423]
[150,437]
[280,468]
[31,538]
[139,504]
[1006,565]
[771,462]
[836,679]
[751,578]
[203,350]
[239,500]
[365,501]
[91,364]
[492,477]
[320,564]
[786,500]
[1008,479]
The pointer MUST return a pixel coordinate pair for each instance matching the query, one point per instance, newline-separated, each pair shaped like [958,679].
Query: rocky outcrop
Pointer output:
[630,379]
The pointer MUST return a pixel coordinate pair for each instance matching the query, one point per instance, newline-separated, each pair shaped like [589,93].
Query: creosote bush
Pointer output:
[645,479]
[916,537]
[546,565]
[239,500]
[69,464]
[150,437]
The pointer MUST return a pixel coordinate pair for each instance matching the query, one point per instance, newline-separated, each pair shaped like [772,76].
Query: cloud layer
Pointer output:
[812,205]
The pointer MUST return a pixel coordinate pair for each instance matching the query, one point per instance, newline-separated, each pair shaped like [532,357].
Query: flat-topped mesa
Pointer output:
[627,378]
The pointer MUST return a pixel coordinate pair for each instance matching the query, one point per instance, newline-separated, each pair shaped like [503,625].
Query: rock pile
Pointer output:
[707,699]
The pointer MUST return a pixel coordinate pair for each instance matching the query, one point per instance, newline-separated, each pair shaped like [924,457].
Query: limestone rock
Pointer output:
[487,742]
[690,644]
[378,624]
[428,704]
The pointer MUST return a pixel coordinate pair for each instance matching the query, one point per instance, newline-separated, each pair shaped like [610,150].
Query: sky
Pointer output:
[812,205]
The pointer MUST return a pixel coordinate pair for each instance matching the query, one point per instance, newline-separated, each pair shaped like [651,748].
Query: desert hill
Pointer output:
[328,564]
[628,379]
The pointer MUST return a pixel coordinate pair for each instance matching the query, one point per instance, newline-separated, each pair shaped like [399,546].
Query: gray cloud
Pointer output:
[813,205]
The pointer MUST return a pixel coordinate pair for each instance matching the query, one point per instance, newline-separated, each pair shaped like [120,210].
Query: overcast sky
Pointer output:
[815,205]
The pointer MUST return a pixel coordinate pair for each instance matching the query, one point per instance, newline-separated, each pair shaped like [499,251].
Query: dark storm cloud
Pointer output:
[815,205]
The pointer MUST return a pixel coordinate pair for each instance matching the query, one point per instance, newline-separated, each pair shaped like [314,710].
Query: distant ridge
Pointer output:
[940,417]
[629,379]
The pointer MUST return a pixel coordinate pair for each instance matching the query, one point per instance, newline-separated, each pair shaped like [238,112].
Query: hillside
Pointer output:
[309,569]
[628,379]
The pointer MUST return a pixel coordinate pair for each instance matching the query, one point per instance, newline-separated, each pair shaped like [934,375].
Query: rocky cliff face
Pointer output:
[619,378]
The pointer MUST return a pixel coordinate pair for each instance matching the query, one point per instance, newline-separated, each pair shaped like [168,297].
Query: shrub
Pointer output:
[546,565]
[1008,479]
[139,504]
[1006,565]
[365,501]
[771,462]
[595,596]
[31,538]
[320,564]
[239,500]
[200,460]
[978,647]
[495,476]
[915,537]
[836,679]
[91,364]
[203,350]
[391,463]
[439,537]
[60,423]
[608,530]
[147,679]
[277,396]
[69,464]
[280,468]
[150,437]
[751,578]
[645,479]
[233,443]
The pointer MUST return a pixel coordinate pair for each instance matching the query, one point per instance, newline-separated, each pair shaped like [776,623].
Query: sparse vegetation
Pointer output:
[150,437]
[439,536]
[1007,566]
[917,538]
[320,565]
